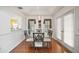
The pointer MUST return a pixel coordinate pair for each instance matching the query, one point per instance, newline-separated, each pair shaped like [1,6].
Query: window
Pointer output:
[59,28]
[15,24]
[47,26]
[68,29]
[31,27]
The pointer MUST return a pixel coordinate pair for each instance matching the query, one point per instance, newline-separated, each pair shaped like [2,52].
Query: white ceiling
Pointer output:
[36,10]
[39,10]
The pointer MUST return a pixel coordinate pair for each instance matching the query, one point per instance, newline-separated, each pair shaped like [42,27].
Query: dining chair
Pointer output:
[38,40]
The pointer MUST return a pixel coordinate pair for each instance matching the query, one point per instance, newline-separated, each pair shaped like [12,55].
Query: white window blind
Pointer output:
[59,28]
[68,29]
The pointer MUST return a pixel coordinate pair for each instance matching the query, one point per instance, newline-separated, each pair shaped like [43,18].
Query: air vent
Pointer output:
[20,8]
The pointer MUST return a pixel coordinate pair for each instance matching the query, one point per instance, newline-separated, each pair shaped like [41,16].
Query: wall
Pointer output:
[38,18]
[76,29]
[76,26]
[8,39]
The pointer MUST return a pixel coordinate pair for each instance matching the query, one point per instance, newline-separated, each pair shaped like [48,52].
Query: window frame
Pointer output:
[69,12]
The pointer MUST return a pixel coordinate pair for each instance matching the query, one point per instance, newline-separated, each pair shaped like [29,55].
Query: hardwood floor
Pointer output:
[23,47]
[56,47]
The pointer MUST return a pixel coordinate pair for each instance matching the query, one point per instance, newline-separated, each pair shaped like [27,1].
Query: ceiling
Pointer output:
[37,10]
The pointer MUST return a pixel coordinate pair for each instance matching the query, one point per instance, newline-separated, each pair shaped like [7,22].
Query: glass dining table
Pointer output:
[46,41]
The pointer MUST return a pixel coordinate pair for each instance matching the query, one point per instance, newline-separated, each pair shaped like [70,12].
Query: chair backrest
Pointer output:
[38,39]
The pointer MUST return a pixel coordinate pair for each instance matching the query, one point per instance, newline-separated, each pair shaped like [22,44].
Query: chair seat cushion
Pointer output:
[38,44]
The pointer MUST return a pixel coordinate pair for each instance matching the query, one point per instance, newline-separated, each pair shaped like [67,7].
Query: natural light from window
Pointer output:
[68,29]
[59,28]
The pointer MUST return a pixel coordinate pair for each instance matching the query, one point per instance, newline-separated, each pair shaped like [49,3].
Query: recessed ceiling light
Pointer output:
[20,8]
